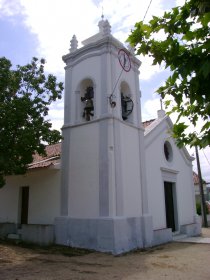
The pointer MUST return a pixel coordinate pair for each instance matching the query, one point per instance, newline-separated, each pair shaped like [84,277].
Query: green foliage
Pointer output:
[184,49]
[25,96]
[198,208]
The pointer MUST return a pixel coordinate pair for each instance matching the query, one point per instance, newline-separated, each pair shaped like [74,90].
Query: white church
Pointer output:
[114,184]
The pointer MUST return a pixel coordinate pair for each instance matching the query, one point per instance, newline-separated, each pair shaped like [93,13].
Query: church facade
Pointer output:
[118,185]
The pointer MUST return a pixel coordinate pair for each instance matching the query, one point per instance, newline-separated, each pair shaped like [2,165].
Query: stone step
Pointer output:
[178,237]
[13,236]
[19,231]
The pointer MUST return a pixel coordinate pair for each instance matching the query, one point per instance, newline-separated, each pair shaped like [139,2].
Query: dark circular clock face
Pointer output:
[124,60]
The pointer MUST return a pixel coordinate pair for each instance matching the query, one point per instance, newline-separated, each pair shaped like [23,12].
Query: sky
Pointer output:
[44,28]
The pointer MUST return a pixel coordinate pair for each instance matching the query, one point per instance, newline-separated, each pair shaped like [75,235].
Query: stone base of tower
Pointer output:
[116,235]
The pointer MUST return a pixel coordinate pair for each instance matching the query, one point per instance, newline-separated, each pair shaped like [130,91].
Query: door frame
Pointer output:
[170,176]
[170,198]
[24,205]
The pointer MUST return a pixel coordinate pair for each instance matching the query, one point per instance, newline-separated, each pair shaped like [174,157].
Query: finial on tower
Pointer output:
[104,26]
[102,15]
[131,49]
[161,113]
[73,44]
[161,103]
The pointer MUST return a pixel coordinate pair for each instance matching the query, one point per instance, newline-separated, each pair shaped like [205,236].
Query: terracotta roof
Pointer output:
[147,123]
[53,157]
[196,179]
[150,125]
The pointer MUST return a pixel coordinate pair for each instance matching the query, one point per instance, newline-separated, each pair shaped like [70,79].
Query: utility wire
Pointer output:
[116,83]
[122,69]
[206,157]
[147,10]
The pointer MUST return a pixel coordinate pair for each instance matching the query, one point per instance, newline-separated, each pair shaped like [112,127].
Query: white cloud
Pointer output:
[147,69]
[55,22]
[150,108]
[180,2]
[56,114]
[57,124]
[123,15]
[10,8]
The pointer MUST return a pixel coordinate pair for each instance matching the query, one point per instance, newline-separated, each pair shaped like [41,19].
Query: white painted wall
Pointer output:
[106,144]
[153,154]
[9,201]
[155,160]
[131,171]
[44,197]
[84,171]
[44,200]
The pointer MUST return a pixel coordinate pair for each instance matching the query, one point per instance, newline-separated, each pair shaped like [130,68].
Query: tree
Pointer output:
[25,96]
[184,49]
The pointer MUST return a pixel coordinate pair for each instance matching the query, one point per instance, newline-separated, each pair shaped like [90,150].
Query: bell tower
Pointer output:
[104,203]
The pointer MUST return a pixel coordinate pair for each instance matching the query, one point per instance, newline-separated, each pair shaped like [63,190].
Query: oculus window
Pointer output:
[168,152]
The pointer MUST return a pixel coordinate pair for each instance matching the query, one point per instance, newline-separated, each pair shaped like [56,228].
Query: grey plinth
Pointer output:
[115,235]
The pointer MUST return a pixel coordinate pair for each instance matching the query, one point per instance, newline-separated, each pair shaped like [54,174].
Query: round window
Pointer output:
[168,151]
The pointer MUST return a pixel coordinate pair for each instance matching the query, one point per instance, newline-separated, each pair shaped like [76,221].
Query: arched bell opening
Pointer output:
[126,102]
[86,100]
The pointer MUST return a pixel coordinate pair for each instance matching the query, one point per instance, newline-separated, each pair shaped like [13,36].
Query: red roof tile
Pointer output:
[147,123]
[52,157]
[196,179]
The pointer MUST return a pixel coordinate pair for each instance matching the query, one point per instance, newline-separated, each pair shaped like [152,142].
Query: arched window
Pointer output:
[86,100]
[126,102]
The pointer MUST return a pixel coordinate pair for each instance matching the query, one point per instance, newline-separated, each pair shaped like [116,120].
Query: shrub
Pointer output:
[198,208]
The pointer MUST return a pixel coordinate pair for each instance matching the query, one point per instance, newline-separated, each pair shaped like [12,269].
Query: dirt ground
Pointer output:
[170,261]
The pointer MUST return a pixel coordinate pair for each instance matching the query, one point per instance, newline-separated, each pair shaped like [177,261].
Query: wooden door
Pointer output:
[24,205]
[169,205]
